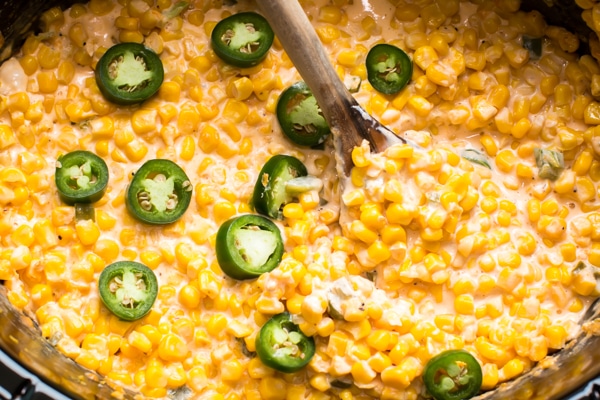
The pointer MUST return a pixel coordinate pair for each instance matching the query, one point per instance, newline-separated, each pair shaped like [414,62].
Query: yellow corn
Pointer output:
[583,163]
[188,147]
[475,60]
[78,34]
[172,348]
[48,57]
[29,64]
[170,91]
[349,58]
[87,232]
[464,304]
[401,376]
[240,89]
[47,82]
[424,56]
[440,75]
[135,150]
[420,105]
[188,120]
[107,249]
[407,204]
[209,139]
[143,121]
[505,160]
[224,210]
[189,296]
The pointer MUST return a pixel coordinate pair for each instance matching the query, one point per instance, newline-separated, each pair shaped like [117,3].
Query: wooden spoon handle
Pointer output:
[295,32]
[300,41]
[350,124]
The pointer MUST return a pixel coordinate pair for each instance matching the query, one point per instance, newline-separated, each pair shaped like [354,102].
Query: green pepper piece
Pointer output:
[129,73]
[176,10]
[128,289]
[334,313]
[586,279]
[534,45]
[352,83]
[270,192]
[242,39]
[341,383]
[80,177]
[84,211]
[159,193]
[550,163]
[244,348]
[300,117]
[247,246]
[303,184]
[475,157]
[453,375]
[388,68]
[281,345]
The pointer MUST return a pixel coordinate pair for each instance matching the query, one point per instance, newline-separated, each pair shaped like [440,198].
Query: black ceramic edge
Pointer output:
[591,391]
[577,366]
[21,341]
[562,13]
[16,382]
[19,19]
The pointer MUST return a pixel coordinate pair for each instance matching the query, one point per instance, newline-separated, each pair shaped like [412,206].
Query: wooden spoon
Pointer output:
[348,121]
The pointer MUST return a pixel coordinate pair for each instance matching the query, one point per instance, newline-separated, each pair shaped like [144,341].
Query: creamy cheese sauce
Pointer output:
[13,77]
[439,253]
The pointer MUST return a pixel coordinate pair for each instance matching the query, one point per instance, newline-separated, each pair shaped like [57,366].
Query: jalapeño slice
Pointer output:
[281,345]
[129,73]
[242,39]
[388,68]
[270,192]
[159,193]
[300,117]
[453,375]
[128,289]
[248,246]
[80,177]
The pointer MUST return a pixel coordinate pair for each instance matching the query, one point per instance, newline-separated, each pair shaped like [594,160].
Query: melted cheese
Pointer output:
[326,265]
[12,77]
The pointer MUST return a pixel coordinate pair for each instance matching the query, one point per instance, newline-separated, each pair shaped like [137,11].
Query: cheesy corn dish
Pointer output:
[482,234]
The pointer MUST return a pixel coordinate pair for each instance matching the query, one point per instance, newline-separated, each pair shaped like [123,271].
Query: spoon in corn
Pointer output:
[350,124]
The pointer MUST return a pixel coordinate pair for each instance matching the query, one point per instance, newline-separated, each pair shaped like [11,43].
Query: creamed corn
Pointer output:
[437,253]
